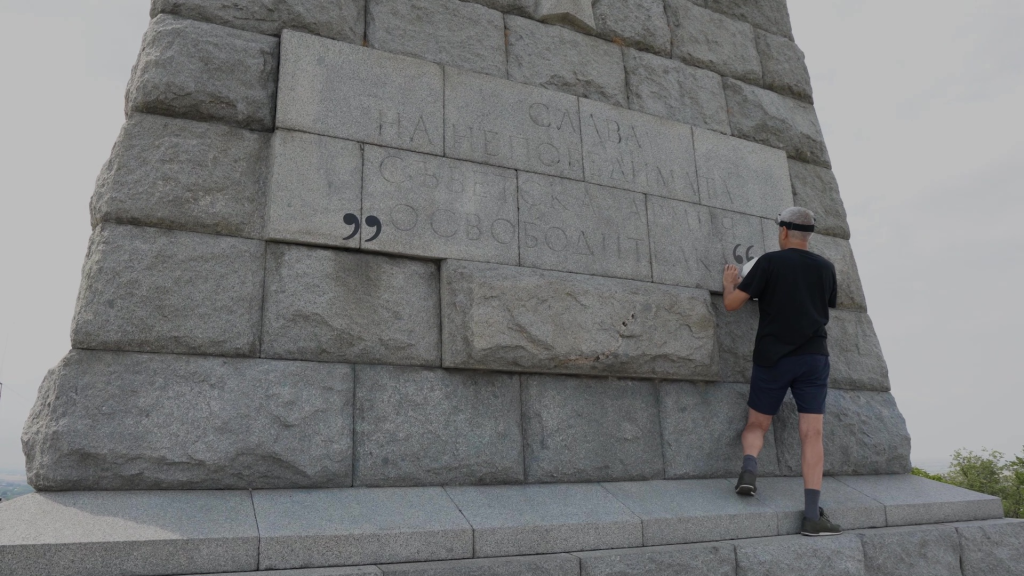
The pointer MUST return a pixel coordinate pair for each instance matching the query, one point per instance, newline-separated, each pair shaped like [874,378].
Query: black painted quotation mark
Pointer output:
[739,257]
[371,221]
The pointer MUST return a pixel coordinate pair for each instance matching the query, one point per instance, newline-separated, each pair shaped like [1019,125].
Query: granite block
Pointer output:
[636,151]
[337,306]
[448,32]
[770,15]
[559,59]
[640,24]
[687,511]
[357,526]
[991,547]
[701,425]
[673,90]
[840,253]
[710,40]
[125,421]
[337,89]
[545,519]
[913,500]
[590,429]
[315,183]
[201,71]
[577,14]
[790,555]
[855,353]
[184,175]
[545,565]
[844,505]
[348,571]
[439,208]
[502,123]
[421,427]
[517,7]
[742,176]
[521,319]
[774,120]
[816,189]
[718,559]
[575,227]
[128,533]
[151,290]
[337,19]
[917,550]
[783,67]
[864,434]
[736,332]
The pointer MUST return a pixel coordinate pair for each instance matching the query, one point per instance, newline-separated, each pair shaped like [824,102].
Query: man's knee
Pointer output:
[759,422]
[811,427]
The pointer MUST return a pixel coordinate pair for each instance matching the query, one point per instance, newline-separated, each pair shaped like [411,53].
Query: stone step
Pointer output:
[481,527]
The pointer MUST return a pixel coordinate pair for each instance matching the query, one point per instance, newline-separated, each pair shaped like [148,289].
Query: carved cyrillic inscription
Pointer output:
[575,227]
[440,208]
[742,176]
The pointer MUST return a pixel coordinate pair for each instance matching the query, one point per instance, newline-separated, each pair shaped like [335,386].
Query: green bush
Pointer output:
[989,473]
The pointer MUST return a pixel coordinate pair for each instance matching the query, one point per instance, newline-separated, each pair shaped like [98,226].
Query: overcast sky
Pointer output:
[920,101]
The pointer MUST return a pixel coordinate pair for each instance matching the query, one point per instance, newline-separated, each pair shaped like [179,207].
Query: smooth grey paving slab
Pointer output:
[555,58]
[449,32]
[687,511]
[636,151]
[736,333]
[126,421]
[855,353]
[718,559]
[349,571]
[991,547]
[840,253]
[844,505]
[152,290]
[316,183]
[914,500]
[783,68]
[338,306]
[337,19]
[337,89]
[543,565]
[545,519]
[710,40]
[571,226]
[640,24]
[356,526]
[200,71]
[439,208]
[527,320]
[918,550]
[770,15]
[701,426]
[673,90]
[816,189]
[421,427]
[184,175]
[742,176]
[502,123]
[789,555]
[128,533]
[590,429]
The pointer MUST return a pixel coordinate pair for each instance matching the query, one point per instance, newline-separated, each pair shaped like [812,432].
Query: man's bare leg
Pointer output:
[753,434]
[812,450]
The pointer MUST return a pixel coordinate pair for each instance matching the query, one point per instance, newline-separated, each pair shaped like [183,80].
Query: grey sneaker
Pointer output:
[747,484]
[821,527]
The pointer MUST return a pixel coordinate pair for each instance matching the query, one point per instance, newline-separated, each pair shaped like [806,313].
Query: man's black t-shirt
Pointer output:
[794,289]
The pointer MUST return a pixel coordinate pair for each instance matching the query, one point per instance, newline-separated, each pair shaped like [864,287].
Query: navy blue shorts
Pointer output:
[806,375]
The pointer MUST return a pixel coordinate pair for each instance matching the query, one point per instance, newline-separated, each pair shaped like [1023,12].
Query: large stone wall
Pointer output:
[426,242]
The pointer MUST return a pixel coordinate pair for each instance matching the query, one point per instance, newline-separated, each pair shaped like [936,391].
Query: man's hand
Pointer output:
[731,276]
[732,298]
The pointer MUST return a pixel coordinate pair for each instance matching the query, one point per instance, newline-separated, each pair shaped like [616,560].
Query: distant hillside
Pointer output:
[10,490]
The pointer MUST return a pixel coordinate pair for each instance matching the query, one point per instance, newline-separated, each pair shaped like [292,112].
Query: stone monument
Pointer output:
[433,287]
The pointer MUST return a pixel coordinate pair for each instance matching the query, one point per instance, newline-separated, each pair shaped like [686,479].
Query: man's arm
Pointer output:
[734,299]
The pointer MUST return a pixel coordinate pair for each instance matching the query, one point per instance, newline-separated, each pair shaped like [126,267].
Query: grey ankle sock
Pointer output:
[750,463]
[811,499]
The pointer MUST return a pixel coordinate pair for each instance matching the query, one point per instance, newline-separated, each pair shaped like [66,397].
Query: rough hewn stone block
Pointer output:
[840,253]
[844,505]
[577,14]
[924,551]
[718,559]
[336,306]
[421,427]
[701,426]
[770,15]
[183,175]
[640,24]
[439,207]
[354,526]
[736,334]
[546,565]
[315,182]
[517,7]
[639,152]
[864,434]
[349,571]
[590,430]
[912,500]
[123,421]
[563,60]
[337,89]
[520,319]
[855,353]
[448,32]
[775,120]
[502,123]
[704,38]
[151,290]
[790,555]
[992,547]
[742,176]
[575,227]
[337,19]
[816,189]
[783,67]
[200,71]
[673,90]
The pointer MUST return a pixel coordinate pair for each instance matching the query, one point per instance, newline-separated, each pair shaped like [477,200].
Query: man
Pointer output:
[794,289]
